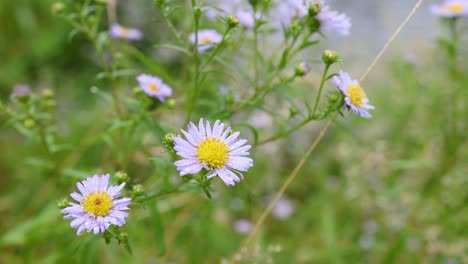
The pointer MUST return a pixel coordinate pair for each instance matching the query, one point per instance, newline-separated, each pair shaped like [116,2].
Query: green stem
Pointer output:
[319,94]
[255,46]
[196,84]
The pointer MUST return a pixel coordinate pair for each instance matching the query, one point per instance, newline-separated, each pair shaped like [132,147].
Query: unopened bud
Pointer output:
[302,69]
[293,111]
[22,92]
[62,203]
[330,57]
[47,93]
[122,238]
[168,141]
[58,8]
[138,190]
[171,103]
[29,123]
[137,91]
[121,177]
[232,21]
[315,8]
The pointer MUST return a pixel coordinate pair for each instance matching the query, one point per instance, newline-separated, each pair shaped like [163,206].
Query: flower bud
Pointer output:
[197,12]
[232,21]
[58,8]
[137,91]
[121,177]
[29,123]
[48,94]
[330,57]
[122,238]
[302,69]
[138,190]
[62,203]
[171,103]
[168,142]
[293,111]
[314,9]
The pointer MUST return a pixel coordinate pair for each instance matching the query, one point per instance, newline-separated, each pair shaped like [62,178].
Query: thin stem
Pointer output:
[255,47]
[319,94]
[196,84]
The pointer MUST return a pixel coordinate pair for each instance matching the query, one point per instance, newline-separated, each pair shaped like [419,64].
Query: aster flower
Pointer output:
[118,31]
[283,209]
[154,86]
[355,98]
[241,11]
[333,21]
[21,90]
[451,8]
[98,206]
[213,149]
[243,226]
[207,39]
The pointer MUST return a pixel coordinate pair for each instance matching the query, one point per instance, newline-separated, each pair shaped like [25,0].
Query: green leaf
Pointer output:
[174,47]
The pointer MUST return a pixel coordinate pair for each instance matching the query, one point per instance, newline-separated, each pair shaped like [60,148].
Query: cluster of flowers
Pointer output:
[207,146]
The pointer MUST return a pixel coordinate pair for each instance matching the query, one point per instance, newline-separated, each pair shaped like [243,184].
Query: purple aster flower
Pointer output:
[154,86]
[21,90]
[333,21]
[355,98]
[451,8]
[118,31]
[213,149]
[207,39]
[98,206]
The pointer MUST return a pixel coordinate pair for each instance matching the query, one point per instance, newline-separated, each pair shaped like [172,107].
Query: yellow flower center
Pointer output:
[98,204]
[356,94]
[152,87]
[454,8]
[206,39]
[213,152]
[125,32]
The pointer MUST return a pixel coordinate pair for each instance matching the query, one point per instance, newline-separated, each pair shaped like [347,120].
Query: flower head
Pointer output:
[283,209]
[118,31]
[451,8]
[21,90]
[207,39]
[154,86]
[333,21]
[355,98]
[98,206]
[213,149]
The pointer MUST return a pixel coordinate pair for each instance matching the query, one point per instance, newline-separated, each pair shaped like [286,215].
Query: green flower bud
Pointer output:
[302,69]
[314,9]
[232,21]
[29,123]
[62,203]
[197,12]
[47,93]
[330,57]
[168,141]
[121,177]
[58,7]
[138,190]
[50,103]
[171,103]
[122,238]
[293,111]
[137,91]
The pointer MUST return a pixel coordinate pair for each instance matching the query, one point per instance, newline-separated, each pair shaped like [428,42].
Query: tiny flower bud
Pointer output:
[122,238]
[229,99]
[47,93]
[29,123]
[137,91]
[197,12]
[302,69]
[138,190]
[62,203]
[232,21]
[168,141]
[330,57]
[50,103]
[58,8]
[293,111]
[315,8]
[121,177]
[171,103]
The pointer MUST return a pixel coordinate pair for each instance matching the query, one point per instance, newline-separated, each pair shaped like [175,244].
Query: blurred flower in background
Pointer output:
[243,226]
[332,21]
[451,8]
[283,209]
[207,38]
[154,87]
[21,90]
[118,31]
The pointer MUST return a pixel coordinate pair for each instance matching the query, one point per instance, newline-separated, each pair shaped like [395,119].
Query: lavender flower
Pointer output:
[451,8]
[207,39]
[118,31]
[355,98]
[154,87]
